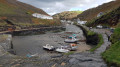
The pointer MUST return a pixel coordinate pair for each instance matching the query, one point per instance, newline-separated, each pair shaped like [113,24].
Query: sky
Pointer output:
[56,6]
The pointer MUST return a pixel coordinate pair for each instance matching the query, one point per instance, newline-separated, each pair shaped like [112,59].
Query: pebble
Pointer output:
[63,64]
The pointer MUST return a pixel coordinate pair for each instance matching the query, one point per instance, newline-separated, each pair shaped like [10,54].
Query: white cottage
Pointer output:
[37,15]
[100,14]
[63,21]
[81,22]
[99,26]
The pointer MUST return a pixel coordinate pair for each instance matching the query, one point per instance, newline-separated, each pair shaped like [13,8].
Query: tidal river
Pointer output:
[24,45]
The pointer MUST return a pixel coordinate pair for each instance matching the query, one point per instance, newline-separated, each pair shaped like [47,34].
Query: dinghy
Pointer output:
[48,47]
[62,50]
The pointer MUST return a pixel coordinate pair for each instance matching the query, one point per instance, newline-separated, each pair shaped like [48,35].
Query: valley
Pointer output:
[66,36]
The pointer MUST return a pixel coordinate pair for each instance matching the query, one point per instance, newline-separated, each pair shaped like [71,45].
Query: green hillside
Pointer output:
[17,14]
[112,55]
[109,19]
[92,13]
[67,15]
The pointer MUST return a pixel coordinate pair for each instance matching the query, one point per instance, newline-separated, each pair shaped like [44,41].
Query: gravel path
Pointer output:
[104,46]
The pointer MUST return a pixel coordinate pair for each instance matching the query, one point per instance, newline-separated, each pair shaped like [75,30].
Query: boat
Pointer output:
[70,37]
[48,47]
[71,40]
[29,55]
[62,50]
[73,47]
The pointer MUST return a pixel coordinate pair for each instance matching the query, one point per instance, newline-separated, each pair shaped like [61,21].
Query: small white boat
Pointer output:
[73,40]
[62,50]
[48,47]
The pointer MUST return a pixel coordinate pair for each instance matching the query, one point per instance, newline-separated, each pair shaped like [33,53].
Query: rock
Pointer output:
[91,64]
[16,65]
[53,65]
[76,65]
[63,64]
[85,59]
[73,61]
[1,65]
[74,56]
[60,55]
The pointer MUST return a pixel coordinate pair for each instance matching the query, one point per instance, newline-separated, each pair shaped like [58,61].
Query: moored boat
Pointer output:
[73,47]
[71,40]
[48,47]
[62,50]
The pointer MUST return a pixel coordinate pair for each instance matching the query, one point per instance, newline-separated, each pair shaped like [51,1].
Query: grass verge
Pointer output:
[112,55]
[69,53]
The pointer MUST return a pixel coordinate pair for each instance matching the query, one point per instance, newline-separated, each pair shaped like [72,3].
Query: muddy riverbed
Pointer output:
[24,45]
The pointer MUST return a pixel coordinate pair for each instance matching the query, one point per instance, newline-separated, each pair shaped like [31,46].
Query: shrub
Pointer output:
[90,33]
[101,41]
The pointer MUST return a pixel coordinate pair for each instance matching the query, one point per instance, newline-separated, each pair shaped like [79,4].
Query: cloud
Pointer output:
[56,6]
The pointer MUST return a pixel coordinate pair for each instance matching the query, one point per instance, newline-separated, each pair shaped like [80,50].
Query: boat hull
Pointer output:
[49,49]
[62,51]
[70,41]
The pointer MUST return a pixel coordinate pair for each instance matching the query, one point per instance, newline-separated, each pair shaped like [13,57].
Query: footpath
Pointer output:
[92,59]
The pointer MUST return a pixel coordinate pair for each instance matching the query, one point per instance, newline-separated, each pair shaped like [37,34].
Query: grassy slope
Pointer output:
[9,7]
[109,19]
[46,22]
[112,55]
[6,9]
[67,14]
[92,13]
[19,14]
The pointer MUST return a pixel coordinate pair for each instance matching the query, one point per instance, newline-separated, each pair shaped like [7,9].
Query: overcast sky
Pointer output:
[57,6]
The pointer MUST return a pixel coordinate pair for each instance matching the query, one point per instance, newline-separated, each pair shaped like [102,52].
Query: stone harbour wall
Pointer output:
[5,43]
